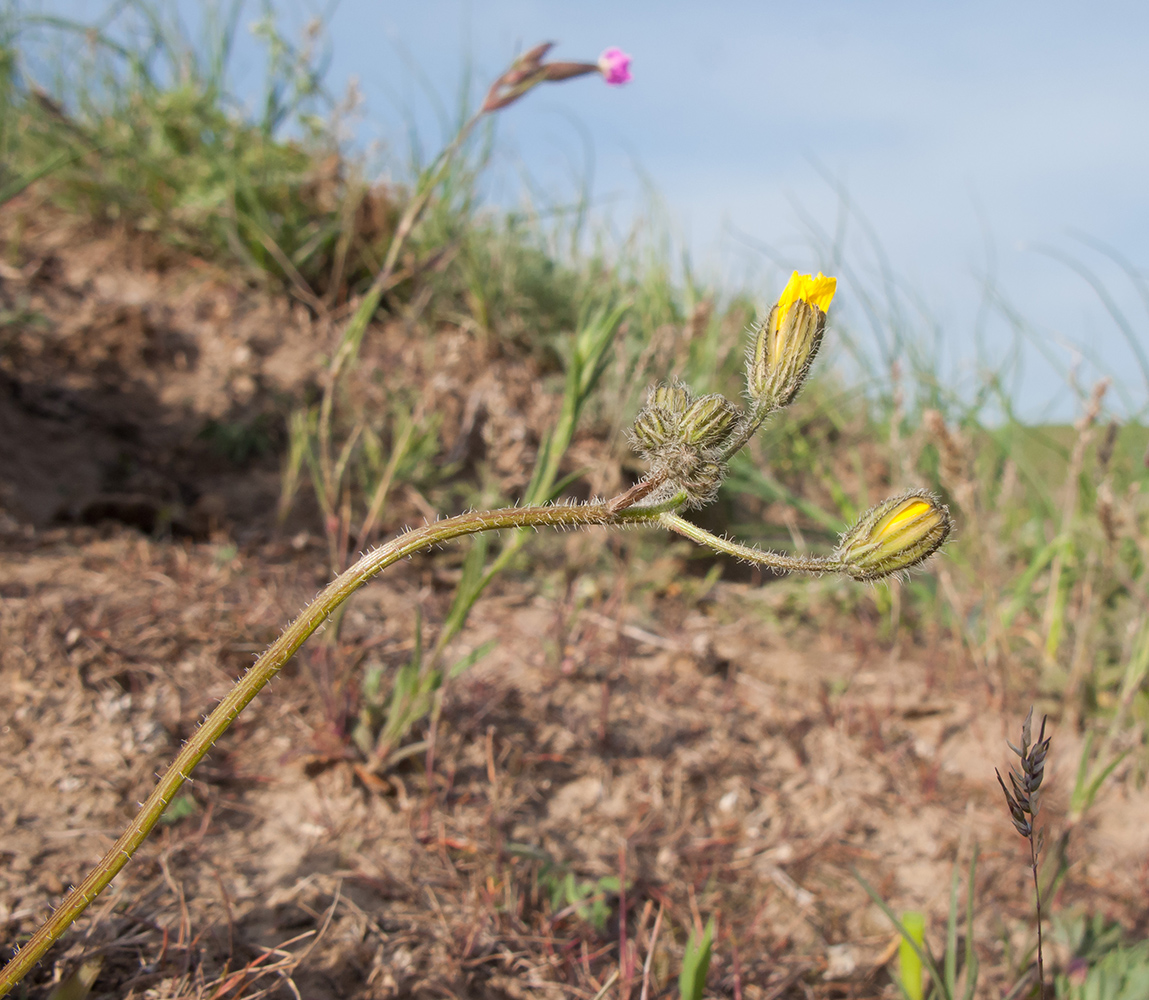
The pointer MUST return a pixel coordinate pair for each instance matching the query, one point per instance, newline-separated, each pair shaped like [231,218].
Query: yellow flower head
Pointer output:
[786,344]
[900,517]
[814,289]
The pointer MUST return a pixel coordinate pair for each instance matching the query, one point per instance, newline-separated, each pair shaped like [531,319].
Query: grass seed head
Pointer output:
[1025,781]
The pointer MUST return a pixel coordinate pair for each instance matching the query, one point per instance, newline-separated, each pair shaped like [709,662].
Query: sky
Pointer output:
[974,144]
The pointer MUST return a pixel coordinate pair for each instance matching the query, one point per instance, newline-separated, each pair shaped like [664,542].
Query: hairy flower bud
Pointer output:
[894,535]
[708,422]
[653,428]
[672,396]
[683,439]
[786,344]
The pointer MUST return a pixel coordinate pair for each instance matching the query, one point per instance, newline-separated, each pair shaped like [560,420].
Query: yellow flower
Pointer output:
[815,289]
[786,344]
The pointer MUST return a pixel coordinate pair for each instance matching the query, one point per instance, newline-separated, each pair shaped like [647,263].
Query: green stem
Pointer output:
[262,671]
[775,560]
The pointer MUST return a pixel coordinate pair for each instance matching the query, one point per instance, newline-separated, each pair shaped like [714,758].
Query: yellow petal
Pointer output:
[790,294]
[817,290]
[901,517]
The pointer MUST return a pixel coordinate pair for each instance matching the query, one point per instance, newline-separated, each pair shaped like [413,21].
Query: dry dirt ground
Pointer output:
[698,743]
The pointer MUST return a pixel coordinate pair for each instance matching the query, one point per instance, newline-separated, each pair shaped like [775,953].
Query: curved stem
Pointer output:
[775,560]
[262,671]
[623,509]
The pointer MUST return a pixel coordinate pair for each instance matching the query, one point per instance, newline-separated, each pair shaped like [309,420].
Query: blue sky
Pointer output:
[970,137]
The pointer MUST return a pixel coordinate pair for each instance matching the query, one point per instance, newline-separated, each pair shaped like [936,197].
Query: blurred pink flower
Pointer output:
[614,65]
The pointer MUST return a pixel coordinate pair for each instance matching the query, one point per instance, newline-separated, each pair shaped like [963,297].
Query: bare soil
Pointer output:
[736,749]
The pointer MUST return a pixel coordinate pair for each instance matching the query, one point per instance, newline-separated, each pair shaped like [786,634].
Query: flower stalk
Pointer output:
[258,676]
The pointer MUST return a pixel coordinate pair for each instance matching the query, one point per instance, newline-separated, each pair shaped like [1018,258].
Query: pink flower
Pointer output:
[614,64]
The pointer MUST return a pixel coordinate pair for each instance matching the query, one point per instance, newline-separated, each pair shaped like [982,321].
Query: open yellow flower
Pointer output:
[786,344]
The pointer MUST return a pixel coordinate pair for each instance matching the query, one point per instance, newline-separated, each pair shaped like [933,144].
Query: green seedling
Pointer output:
[909,964]
[696,963]
[588,900]
[181,808]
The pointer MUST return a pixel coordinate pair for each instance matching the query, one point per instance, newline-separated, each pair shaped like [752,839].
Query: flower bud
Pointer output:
[659,422]
[671,396]
[786,344]
[708,422]
[653,428]
[529,70]
[614,64]
[683,438]
[895,535]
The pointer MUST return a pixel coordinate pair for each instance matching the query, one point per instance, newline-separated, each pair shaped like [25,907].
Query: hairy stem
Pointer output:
[746,430]
[775,560]
[262,671]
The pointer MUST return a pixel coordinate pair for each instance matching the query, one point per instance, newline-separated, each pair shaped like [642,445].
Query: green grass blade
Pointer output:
[473,657]
[696,964]
[16,185]
[909,964]
[949,960]
[971,959]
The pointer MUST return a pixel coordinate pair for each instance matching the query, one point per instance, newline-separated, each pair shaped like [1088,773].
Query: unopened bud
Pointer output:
[529,70]
[787,343]
[895,535]
[708,422]
[683,438]
[654,427]
[659,422]
[672,396]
